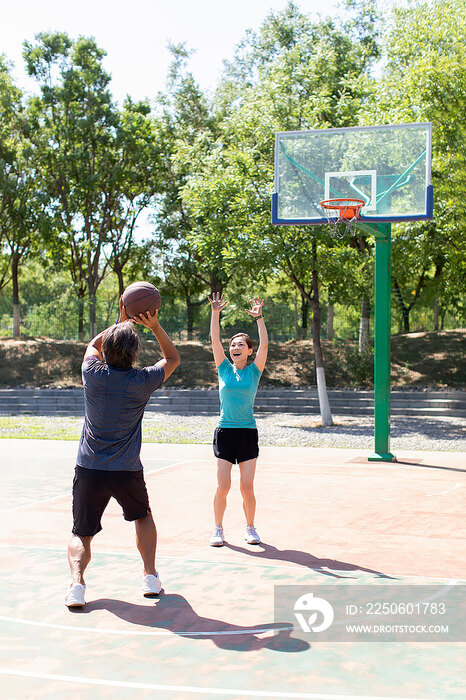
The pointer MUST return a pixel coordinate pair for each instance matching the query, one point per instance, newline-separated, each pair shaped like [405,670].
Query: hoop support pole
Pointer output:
[382,331]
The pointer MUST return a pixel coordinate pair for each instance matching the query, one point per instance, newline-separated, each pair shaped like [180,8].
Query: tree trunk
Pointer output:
[324,405]
[364,325]
[436,314]
[405,315]
[190,315]
[442,316]
[404,309]
[304,317]
[296,317]
[14,278]
[330,317]
[92,314]
[325,412]
[81,316]
[118,270]
[216,284]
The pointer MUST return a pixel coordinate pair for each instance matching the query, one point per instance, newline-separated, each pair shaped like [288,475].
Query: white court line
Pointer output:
[247,564]
[167,466]
[141,633]
[196,689]
[314,463]
[67,493]
[33,504]
[441,493]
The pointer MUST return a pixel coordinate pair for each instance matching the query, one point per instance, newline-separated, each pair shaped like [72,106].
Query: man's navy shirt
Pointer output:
[114,403]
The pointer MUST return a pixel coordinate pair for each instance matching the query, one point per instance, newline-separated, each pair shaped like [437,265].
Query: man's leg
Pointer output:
[79,556]
[146,541]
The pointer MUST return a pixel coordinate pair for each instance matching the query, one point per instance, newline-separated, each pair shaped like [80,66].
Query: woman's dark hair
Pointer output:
[242,335]
[121,345]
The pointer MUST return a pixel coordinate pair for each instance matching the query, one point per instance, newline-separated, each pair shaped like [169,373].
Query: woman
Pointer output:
[235,439]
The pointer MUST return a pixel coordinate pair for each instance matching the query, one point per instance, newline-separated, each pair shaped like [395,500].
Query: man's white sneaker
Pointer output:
[251,535]
[217,537]
[151,585]
[75,595]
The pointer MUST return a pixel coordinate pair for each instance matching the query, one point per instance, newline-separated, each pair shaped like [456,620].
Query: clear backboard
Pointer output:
[388,167]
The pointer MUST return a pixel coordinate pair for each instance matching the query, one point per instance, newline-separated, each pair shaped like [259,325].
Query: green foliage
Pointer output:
[76,172]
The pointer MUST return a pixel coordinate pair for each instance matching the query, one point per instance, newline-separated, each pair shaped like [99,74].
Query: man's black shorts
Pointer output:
[236,444]
[92,490]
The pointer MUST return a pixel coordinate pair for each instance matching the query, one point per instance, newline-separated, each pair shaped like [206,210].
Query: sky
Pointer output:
[135,34]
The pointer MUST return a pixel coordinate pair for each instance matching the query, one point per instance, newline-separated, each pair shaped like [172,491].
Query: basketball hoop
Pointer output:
[342,211]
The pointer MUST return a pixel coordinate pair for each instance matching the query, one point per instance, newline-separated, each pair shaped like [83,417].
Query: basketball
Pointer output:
[140,298]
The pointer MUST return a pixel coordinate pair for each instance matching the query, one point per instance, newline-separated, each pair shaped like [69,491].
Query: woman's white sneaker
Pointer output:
[75,595]
[217,537]
[251,535]
[151,585]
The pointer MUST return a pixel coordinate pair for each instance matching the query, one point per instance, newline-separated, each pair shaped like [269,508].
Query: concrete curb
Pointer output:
[70,402]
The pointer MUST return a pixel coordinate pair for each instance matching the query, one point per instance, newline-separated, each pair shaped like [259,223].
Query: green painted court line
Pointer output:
[194,689]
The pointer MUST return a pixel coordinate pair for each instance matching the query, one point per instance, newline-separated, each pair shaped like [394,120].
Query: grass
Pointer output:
[40,427]
[168,429]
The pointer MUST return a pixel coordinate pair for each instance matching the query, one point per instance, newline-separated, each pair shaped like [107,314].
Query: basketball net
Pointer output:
[342,215]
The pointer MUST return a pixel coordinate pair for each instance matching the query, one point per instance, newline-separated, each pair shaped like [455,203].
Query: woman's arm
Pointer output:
[217,304]
[256,312]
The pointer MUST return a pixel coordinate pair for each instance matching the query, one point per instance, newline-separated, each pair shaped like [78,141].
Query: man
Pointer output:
[108,461]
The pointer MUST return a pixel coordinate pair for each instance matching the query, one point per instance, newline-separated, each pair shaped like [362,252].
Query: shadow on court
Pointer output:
[174,613]
[296,556]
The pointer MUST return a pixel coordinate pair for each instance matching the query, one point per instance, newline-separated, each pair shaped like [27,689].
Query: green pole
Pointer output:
[382,331]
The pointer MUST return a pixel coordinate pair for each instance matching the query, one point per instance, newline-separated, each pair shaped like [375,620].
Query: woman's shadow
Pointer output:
[173,612]
[327,567]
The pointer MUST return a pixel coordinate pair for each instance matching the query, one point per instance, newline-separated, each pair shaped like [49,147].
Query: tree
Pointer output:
[293,74]
[22,220]
[137,181]
[186,127]
[424,80]
[98,165]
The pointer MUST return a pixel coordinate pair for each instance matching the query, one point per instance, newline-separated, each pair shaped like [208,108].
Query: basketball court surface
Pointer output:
[326,517]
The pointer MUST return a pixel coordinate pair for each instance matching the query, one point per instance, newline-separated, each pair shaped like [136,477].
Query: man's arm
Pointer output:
[217,304]
[171,358]
[95,346]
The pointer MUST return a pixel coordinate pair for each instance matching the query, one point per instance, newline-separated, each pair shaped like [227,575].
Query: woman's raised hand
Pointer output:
[217,303]
[256,307]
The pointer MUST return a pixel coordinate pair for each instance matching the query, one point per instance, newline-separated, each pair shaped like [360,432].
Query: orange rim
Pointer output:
[347,208]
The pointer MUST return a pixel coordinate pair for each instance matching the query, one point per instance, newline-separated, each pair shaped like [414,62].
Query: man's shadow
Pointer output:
[296,556]
[173,612]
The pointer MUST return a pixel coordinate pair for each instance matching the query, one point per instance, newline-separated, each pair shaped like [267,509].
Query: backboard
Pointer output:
[389,167]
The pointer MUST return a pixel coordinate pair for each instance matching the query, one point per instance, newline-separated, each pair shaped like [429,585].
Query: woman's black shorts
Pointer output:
[92,490]
[236,444]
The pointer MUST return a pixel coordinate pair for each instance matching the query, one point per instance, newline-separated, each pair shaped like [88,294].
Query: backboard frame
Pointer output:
[429,200]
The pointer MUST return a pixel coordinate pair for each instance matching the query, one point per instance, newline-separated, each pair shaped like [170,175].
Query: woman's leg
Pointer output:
[247,471]
[223,486]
